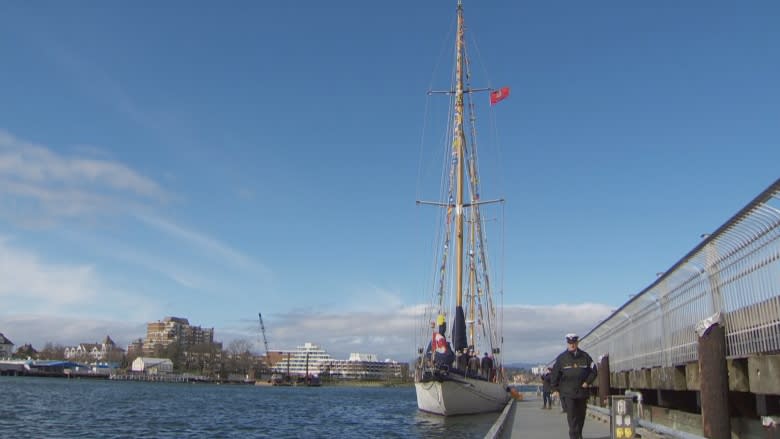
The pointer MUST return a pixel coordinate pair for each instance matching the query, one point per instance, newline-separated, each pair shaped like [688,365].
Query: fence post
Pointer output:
[714,379]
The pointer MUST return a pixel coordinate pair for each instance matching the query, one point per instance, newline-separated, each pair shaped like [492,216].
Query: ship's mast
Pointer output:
[472,279]
[458,151]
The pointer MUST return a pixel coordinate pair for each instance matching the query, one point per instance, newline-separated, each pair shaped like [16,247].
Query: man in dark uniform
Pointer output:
[573,373]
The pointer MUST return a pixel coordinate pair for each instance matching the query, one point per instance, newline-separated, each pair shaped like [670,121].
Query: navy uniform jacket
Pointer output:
[570,371]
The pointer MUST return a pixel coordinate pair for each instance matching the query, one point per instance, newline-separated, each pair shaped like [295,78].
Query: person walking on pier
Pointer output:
[546,389]
[572,375]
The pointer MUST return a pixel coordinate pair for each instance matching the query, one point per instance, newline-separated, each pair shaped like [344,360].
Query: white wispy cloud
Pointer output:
[39,329]
[204,243]
[31,284]
[47,183]
[28,162]
[40,187]
[531,333]
[25,275]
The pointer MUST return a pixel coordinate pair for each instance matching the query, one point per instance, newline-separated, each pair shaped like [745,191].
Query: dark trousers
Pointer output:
[547,401]
[575,414]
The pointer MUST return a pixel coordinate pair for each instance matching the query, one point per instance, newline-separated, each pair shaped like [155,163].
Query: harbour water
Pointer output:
[85,408]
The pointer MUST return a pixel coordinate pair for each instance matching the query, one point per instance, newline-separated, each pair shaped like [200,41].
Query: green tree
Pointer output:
[175,353]
[24,352]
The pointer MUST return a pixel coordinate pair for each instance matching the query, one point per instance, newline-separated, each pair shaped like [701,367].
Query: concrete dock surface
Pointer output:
[529,421]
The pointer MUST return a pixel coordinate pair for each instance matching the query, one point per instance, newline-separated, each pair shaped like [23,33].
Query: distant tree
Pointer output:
[198,357]
[260,367]
[127,361]
[26,351]
[239,358]
[175,353]
[114,355]
[133,351]
[52,351]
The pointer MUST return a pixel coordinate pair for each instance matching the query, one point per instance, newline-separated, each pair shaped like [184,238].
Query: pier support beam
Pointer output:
[716,423]
[604,390]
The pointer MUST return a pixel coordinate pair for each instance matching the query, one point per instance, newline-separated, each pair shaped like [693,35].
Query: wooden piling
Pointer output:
[714,380]
[603,372]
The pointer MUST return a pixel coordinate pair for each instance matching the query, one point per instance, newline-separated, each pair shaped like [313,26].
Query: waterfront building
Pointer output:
[135,348]
[175,330]
[95,352]
[6,346]
[359,366]
[366,367]
[307,358]
[152,366]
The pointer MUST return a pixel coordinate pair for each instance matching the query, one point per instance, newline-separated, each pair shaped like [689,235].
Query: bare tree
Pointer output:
[52,351]
[114,355]
[240,359]
[239,347]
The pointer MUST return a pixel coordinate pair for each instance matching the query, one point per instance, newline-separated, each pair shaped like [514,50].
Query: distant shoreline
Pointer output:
[179,379]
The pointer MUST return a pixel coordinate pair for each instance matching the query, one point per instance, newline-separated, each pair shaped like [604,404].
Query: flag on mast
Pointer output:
[499,95]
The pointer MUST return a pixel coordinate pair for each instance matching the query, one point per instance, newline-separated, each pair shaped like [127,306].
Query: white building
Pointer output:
[152,366]
[358,356]
[361,366]
[307,358]
[94,352]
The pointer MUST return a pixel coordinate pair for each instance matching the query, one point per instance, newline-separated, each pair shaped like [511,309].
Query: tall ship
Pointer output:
[459,370]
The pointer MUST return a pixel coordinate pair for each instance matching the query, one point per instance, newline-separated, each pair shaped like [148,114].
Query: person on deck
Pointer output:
[473,364]
[572,375]
[462,360]
[443,355]
[487,366]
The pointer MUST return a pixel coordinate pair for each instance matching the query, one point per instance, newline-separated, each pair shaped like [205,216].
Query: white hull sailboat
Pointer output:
[459,396]
[464,375]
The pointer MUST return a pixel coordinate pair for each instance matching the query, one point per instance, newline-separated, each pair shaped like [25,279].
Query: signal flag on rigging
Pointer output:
[498,95]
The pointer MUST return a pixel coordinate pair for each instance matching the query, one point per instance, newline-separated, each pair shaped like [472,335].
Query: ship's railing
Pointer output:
[734,271]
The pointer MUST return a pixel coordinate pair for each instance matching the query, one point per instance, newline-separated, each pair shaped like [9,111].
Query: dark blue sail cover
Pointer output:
[459,330]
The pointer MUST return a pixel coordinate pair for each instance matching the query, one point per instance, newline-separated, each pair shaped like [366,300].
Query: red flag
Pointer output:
[498,95]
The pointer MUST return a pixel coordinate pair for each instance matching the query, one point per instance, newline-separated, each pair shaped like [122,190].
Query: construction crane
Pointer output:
[265,341]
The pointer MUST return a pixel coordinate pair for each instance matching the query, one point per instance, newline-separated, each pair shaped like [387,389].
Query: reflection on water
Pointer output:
[465,426]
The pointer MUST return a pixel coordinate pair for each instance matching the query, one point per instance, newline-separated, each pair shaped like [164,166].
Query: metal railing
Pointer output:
[734,271]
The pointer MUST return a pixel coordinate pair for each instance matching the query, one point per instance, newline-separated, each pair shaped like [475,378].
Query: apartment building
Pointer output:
[170,330]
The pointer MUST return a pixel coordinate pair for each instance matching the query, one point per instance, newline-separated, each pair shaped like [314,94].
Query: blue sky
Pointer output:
[214,161]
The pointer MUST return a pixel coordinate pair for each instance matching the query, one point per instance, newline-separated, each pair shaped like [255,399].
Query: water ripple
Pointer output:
[81,408]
